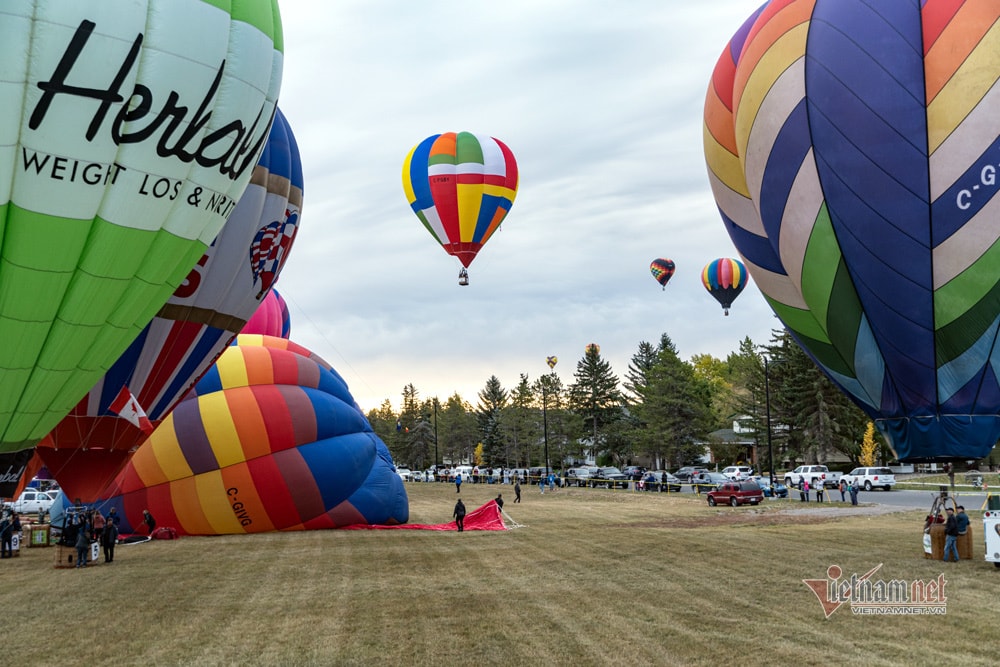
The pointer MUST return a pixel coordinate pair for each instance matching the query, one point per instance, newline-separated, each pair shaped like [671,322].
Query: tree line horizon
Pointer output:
[662,414]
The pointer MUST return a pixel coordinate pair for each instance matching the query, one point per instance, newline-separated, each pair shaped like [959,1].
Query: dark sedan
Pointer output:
[779,490]
[706,481]
[662,481]
[609,478]
[687,472]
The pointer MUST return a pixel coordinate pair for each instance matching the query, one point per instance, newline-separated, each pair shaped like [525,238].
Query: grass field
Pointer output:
[593,577]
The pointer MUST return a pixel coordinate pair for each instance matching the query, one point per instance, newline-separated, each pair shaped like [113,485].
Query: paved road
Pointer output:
[972,500]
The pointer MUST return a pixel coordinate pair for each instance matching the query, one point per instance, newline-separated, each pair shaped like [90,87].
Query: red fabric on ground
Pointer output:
[487,517]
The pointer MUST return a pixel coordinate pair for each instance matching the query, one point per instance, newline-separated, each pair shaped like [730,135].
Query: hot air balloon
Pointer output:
[270,439]
[552,361]
[852,152]
[592,348]
[724,278]
[271,317]
[662,270]
[118,176]
[224,289]
[461,186]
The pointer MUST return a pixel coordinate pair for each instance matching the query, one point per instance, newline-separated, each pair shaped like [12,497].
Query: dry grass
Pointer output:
[595,577]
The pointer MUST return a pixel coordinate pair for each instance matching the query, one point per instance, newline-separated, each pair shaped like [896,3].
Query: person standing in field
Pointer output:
[819,492]
[150,522]
[82,540]
[843,488]
[962,520]
[950,535]
[7,534]
[459,515]
[500,500]
[109,537]
[517,490]
[458,483]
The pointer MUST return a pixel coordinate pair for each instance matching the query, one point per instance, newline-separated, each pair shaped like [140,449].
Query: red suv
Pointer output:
[736,493]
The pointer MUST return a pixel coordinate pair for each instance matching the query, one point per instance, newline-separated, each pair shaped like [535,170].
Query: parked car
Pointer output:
[30,500]
[779,490]
[869,478]
[635,472]
[578,476]
[662,481]
[736,493]
[705,481]
[738,472]
[405,474]
[610,478]
[687,472]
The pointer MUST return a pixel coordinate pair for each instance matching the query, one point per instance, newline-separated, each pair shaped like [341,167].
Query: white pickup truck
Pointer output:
[31,500]
[814,474]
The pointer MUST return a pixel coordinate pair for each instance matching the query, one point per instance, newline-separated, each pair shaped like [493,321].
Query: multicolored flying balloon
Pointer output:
[592,348]
[461,186]
[853,150]
[270,439]
[117,176]
[724,278]
[91,444]
[662,270]
[552,361]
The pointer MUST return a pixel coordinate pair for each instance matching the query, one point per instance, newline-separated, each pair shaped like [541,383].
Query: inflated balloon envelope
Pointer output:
[270,439]
[128,131]
[852,150]
[271,318]
[220,294]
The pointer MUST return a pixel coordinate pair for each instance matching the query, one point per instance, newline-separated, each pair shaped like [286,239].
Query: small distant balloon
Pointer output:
[593,348]
[552,361]
[724,279]
[662,270]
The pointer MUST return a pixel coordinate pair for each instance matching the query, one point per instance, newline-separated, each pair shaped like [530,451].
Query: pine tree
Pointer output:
[489,413]
[595,397]
[675,410]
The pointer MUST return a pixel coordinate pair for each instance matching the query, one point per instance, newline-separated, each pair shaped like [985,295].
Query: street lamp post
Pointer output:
[435,434]
[545,428]
[767,409]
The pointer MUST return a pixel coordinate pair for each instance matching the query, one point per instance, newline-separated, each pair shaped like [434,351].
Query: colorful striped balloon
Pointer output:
[270,439]
[853,149]
[724,278]
[90,445]
[461,186]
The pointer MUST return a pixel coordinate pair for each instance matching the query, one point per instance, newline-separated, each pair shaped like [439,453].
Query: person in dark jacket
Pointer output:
[962,520]
[82,541]
[500,500]
[150,522]
[7,535]
[109,537]
[460,515]
[517,490]
[950,535]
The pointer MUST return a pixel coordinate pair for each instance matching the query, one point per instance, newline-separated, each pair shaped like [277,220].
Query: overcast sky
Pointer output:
[601,104]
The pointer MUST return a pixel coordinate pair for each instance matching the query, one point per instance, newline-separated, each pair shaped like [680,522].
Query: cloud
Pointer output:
[601,104]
